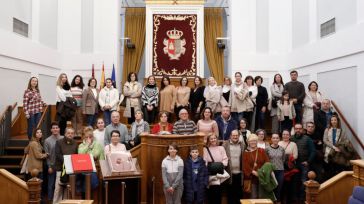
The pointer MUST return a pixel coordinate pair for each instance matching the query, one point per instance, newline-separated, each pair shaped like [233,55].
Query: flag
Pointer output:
[93,71]
[113,76]
[102,81]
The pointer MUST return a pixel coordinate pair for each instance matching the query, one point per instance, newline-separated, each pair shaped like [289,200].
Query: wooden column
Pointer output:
[312,188]
[34,187]
[358,169]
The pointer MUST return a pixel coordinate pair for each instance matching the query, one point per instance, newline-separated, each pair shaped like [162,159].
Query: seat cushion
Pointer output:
[354,201]
[358,193]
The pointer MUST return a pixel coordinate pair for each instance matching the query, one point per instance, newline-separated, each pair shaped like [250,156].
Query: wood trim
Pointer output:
[12,178]
[347,124]
[332,181]
[42,117]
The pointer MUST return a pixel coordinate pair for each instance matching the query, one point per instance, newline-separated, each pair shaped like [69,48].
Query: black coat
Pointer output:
[202,180]
[196,97]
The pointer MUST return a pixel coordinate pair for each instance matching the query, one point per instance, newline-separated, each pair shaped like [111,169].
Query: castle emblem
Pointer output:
[174,45]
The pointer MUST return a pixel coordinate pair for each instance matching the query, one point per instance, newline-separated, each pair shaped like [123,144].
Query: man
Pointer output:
[116,125]
[306,155]
[234,151]
[297,93]
[225,124]
[317,164]
[184,126]
[322,117]
[49,148]
[108,100]
[64,146]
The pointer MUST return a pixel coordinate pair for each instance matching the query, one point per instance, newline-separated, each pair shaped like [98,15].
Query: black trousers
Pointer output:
[214,194]
[235,189]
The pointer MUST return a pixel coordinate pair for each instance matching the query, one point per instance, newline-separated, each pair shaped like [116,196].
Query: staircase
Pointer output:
[13,155]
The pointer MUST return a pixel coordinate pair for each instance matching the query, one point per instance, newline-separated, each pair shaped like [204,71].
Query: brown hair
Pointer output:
[30,86]
[208,138]
[338,121]
[174,145]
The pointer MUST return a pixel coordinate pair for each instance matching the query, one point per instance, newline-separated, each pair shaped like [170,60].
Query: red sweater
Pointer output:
[248,161]
[157,128]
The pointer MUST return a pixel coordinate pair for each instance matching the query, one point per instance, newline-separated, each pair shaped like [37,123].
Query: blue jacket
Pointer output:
[202,180]
[230,127]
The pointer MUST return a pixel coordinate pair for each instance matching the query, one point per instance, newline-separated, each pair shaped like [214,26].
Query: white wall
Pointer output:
[9,9]
[48,18]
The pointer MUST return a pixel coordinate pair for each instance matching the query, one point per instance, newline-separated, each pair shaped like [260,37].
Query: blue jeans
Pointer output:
[298,109]
[32,123]
[91,119]
[237,116]
[259,119]
[279,174]
[51,183]
[107,117]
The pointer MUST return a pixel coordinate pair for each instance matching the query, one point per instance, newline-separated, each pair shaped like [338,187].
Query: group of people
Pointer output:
[306,133]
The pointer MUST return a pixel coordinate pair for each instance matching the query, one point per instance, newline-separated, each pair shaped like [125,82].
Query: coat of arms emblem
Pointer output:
[174,45]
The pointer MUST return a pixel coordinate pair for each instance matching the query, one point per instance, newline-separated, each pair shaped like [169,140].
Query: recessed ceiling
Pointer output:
[141,3]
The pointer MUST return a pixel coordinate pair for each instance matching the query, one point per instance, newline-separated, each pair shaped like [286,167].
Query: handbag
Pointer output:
[274,102]
[214,167]
[247,183]
[24,164]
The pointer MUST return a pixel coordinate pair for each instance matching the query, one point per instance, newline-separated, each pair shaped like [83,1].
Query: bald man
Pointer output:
[184,126]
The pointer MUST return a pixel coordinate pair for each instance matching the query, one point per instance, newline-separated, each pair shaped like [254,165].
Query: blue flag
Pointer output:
[113,76]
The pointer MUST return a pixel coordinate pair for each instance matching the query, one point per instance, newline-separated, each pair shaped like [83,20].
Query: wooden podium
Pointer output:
[153,151]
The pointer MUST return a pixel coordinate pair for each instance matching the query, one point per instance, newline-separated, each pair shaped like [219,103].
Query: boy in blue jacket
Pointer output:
[195,177]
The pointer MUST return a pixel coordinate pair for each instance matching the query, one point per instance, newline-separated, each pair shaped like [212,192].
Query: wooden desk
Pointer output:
[76,202]
[120,187]
[256,201]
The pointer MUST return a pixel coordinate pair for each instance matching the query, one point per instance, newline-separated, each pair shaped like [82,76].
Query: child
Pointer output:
[285,111]
[172,173]
[195,177]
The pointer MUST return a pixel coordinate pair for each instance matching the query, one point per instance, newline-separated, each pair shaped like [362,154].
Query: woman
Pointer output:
[213,97]
[290,148]
[252,94]
[150,95]
[226,88]
[90,145]
[276,155]
[335,141]
[76,90]
[285,111]
[261,136]
[62,91]
[182,96]
[206,124]
[261,102]
[244,132]
[197,100]
[132,92]
[32,105]
[311,103]
[253,160]
[90,104]
[99,133]
[35,153]
[238,93]
[167,95]
[163,127]
[139,126]
[276,91]
[115,144]
[214,152]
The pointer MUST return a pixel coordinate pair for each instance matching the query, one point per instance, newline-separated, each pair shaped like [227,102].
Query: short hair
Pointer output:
[257,78]
[151,76]
[114,131]
[312,82]
[193,147]
[115,111]
[227,78]
[249,77]
[80,85]
[108,79]
[54,123]
[180,111]
[89,81]
[293,72]
[30,84]
[227,107]
[180,81]
[238,73]
[246,123]
[129,76]
[310,122]
[274,79]
[259,131]
[236,131]
[69,129]
[174,145]
[86,130]
[139,111]
[286,130]
[298,124]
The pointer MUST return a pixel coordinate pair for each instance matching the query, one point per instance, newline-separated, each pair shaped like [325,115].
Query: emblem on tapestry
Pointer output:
[174,45]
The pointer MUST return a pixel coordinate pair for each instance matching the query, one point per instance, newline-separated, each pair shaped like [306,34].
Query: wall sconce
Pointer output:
[129,44]
[220,42]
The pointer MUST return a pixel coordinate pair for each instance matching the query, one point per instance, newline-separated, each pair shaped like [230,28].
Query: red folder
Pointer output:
[81,163]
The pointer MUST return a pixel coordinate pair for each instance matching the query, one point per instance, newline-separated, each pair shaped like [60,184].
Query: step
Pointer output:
[14,169]
[16,150]
[18,142]
[11,159]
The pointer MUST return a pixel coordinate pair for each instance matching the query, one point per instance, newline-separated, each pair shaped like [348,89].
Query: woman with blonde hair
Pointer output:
[62,92]
[32,105]
[213,97]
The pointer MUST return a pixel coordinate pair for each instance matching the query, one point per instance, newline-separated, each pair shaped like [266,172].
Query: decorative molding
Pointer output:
[176,2]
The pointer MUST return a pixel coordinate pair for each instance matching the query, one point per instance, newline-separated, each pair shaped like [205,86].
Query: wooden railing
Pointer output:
[45,121]
[5,127]
[19,124]
[358,144]
[15,190]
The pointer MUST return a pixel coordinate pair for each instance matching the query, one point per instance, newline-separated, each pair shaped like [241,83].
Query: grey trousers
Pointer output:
[174,198]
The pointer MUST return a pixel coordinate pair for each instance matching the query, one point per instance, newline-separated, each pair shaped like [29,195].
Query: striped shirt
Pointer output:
[186,127]
[77,94]
[32,102]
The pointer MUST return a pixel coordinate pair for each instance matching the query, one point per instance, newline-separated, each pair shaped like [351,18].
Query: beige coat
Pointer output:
[308,108]
[132,92]
[240,101]
[280,114]
[214,99]
[328,142]
[35,156]
[90,102]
